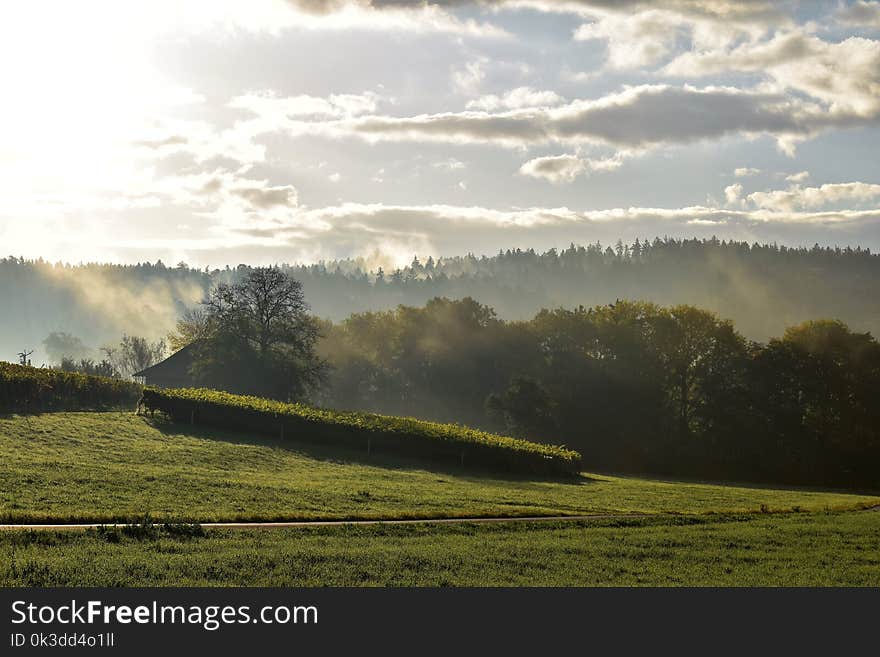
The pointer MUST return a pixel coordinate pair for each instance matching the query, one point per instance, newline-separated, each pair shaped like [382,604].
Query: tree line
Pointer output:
[632,385]
[763,288]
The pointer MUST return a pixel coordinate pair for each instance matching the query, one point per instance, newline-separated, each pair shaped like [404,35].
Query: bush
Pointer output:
[366,431]
[31,389]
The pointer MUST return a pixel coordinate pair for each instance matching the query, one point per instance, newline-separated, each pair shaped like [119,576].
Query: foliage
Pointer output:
[763,288]
[373,432]
[88,366]
[134,353]
[60,345]
[525,408]
[631,385]
[181,472]
[31,389]
[256,337]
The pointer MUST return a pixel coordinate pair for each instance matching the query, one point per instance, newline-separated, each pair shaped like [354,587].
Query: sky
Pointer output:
[221,132]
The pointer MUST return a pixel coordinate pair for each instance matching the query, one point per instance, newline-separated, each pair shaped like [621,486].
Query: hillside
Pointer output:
[762,288]
[118,466]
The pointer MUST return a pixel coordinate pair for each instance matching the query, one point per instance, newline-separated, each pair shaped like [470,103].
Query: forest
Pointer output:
[633,386]
[763,288]
[670,384]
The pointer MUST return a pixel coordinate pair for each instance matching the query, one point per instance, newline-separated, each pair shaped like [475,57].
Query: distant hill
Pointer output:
[762,288]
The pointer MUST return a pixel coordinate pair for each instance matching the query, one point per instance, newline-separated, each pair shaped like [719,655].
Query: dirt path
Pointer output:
[378,521]
[338,523]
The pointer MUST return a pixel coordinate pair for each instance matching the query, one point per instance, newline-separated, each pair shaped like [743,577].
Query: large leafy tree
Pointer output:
[256,336]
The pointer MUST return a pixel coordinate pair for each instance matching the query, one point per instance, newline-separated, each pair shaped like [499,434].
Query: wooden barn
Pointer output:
[173,372]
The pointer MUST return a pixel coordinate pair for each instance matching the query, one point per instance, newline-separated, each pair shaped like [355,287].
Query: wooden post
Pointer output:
[192,416]
[369,446]
[462,457]
[282,431]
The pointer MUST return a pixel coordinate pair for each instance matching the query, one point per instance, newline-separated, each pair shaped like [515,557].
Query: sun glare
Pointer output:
[79,87]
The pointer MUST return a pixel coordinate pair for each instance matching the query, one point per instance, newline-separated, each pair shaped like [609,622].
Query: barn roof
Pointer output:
[177,363]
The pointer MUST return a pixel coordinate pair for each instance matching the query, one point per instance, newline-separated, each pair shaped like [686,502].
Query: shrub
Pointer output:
[27,389]
[366,431]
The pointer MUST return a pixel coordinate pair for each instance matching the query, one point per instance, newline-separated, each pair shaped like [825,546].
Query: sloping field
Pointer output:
[404,436]
[118,466]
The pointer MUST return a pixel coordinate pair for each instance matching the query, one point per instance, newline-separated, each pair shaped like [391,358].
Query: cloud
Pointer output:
[728,10]
[450,164]
[808,198]
[170,140]
[516,99]
[634,118]
[360,229]
[352,229]
[860,14]
[805,63]
[637,32]
[200,140]
[566,168]
[744,172]
[798,177]
[229,195]
[635,40]
[468,80]
[555,169]
[402,16]
[268,105]
[733,193]
[265,197]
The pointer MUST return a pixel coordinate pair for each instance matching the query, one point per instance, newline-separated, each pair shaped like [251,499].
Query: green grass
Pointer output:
[117,466]
[389,434]
[786,550]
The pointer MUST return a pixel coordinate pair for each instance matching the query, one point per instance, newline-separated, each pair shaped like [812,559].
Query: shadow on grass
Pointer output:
[346,455]
[734,483]
[6,414]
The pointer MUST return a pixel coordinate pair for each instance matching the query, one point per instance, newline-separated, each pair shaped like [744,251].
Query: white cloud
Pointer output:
[744,172]
[808,198]
[555,169]
[798,177]
[733,193]
[517,99]
[269,106]
[635,40]
[566,168]
[468,80]
[802,62]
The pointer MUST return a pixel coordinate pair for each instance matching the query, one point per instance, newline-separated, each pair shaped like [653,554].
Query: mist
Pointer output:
[95,303]
[762,289]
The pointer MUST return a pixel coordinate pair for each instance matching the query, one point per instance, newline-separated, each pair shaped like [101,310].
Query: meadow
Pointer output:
[795,549]
[115,466]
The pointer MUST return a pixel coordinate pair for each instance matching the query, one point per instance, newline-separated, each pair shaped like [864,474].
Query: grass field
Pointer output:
[117,466]
[803,549]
